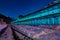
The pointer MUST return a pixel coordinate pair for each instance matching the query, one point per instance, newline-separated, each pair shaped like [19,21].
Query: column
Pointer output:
[51,21]
[59,20]
[48,20]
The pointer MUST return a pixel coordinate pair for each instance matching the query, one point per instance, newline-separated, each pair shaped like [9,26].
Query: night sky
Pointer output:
[13,8]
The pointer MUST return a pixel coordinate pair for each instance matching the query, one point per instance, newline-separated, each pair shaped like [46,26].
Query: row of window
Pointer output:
[42,21]
[51,8]
[48,9]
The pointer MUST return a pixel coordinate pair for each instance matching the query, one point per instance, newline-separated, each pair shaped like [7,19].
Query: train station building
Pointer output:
[48,15]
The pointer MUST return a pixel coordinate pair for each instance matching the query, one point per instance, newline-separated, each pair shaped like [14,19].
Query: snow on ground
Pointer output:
[2,26]
[39,33]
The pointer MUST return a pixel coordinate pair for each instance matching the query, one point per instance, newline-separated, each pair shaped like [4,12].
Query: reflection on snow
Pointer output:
[40,33]
[2,26]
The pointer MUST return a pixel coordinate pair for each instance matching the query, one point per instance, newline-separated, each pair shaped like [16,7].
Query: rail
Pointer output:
[19,31]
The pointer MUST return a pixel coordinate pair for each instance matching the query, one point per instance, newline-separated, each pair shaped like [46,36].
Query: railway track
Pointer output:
[14,33]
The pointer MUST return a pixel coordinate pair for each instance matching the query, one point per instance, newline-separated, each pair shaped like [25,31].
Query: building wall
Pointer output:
[50,15]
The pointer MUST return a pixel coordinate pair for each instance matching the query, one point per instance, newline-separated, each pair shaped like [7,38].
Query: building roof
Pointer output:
[49,5]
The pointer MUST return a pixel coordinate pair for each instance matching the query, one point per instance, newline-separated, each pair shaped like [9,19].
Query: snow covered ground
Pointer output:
[2,26]
[41,32]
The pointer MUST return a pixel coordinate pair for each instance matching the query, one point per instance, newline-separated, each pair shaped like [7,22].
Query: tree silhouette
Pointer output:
[20,16]
[5,19]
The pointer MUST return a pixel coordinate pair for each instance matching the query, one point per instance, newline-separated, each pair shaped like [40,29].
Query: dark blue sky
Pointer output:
[13,8]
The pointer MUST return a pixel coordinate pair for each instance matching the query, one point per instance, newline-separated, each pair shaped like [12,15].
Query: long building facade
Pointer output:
[48,15]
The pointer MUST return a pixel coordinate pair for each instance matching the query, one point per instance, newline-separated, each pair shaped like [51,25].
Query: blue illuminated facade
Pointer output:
[48,15]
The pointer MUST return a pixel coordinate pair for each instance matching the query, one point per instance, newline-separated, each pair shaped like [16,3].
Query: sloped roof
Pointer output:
[43,8]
